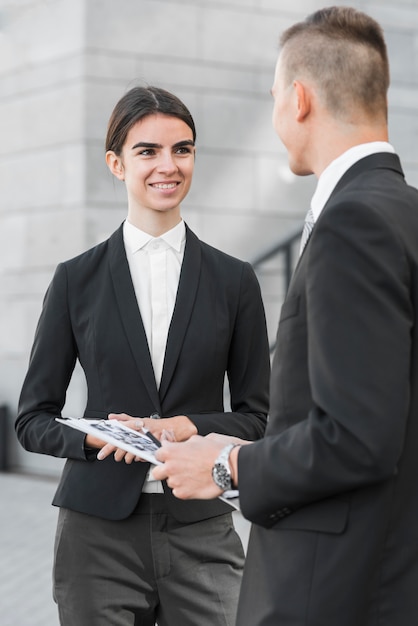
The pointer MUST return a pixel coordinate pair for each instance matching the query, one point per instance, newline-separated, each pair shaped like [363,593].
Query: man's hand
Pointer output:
[187,466]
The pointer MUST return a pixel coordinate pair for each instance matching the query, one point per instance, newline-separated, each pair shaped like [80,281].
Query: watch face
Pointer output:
[221,476]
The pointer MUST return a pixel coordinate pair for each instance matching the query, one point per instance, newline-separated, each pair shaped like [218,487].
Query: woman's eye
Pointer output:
[146,152]
[183,150]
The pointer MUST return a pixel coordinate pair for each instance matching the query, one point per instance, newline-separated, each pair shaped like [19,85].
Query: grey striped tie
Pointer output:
[307,229]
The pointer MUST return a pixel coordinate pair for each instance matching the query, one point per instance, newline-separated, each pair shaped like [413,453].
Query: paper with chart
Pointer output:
[140,444]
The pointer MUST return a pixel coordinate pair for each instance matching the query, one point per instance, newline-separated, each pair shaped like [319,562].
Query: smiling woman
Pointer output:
[156,162]
[157,320]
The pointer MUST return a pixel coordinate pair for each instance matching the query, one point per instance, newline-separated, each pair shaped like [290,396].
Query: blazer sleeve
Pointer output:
[51,365]
[359,320]
[248,368]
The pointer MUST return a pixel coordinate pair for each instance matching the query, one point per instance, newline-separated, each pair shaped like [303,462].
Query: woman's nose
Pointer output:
[167,163]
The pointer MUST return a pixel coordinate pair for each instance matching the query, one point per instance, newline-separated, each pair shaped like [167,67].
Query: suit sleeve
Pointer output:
[359,321]
[51,365]
[248,368]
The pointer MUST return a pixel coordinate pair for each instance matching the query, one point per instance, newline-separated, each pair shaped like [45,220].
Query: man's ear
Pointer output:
[114,163]
[303,100]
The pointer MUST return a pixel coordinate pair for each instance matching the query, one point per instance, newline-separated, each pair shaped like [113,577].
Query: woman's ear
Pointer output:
[114,163]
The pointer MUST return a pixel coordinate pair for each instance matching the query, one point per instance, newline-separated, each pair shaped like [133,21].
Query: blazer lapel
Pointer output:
[379,160]
[130,315]
[186,295]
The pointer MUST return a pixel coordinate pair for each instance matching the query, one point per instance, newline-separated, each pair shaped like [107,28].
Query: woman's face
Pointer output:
[156,163]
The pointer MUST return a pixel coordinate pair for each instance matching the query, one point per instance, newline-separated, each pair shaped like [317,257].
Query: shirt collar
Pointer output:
[337,168]
[176,236]
[135,239]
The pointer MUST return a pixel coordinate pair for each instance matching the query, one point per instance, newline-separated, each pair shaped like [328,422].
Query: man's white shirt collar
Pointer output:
[337,168]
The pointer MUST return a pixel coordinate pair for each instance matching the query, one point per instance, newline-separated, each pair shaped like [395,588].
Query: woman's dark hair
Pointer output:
[138,103]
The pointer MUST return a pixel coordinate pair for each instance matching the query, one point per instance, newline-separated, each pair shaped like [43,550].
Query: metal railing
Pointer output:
[286,252]
[285,247]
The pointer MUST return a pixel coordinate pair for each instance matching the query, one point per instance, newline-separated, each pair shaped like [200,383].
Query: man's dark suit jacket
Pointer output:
[90,313]
[333,487]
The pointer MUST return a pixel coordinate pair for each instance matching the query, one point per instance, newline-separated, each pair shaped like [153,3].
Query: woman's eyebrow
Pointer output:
[186,142]
[146,144]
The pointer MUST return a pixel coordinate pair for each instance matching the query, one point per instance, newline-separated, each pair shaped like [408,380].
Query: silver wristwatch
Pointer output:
[221,472]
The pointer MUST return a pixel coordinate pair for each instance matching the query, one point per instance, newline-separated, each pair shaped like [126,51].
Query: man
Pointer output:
[332,489]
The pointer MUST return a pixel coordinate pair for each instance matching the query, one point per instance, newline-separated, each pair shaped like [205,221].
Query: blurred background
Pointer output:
[63,66]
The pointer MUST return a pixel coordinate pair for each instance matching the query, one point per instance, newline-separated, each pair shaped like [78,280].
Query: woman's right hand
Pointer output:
[93,442]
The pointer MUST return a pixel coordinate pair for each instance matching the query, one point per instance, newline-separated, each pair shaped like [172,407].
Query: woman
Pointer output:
[156,319]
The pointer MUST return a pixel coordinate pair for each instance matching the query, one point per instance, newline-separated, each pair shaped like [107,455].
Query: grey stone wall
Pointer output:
[63,66]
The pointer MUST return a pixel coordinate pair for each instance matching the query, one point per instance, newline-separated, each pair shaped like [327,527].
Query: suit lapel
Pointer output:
[379,160]
[129,312]
[186,295]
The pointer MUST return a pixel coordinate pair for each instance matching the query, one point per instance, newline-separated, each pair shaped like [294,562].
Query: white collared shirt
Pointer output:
[337,168]
[155,265]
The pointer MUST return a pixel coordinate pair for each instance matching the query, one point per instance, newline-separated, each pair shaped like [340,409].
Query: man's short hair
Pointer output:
[343,51]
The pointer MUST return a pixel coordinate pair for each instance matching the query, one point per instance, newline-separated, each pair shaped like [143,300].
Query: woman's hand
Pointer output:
[178,428]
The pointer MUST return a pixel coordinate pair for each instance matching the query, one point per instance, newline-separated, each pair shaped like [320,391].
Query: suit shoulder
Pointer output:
[227,268]
[94,253]
[212,253]
[91,257]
